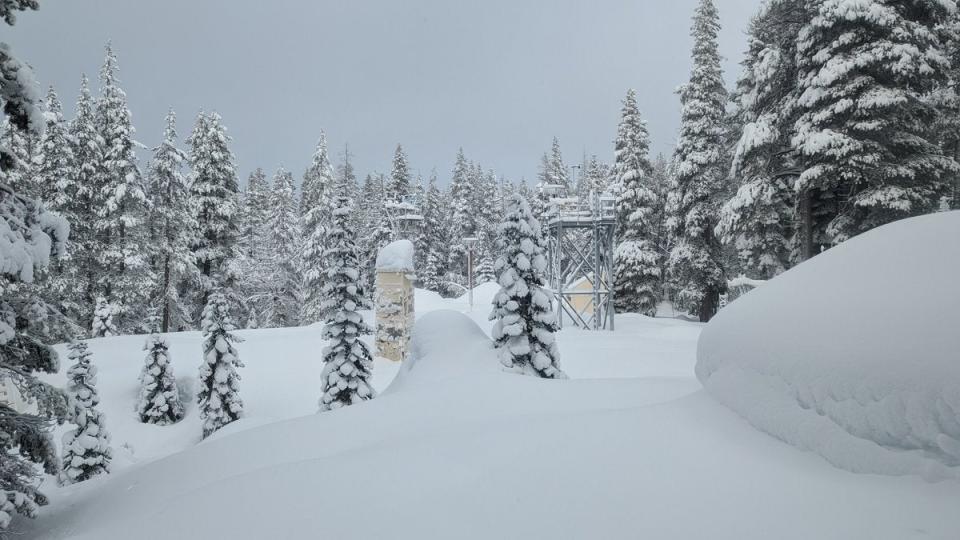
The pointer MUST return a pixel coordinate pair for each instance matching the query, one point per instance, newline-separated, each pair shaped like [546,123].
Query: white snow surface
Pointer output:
[397,256]
[454,447]
[855,354]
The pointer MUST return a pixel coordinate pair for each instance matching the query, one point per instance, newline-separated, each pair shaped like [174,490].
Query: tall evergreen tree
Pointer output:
[219,395]
[84,244]
[54,160]
[947,100]
[86,449]
[489,212]
[864,131]
[53,175]
[316,207]
[171,221]
[283,233]
[253,247]
[637,261]
[214,192]
[400,187]
[463,223]
[31,236]
[696,261]
[378,225]
[346,177]
[256,209]
[525,324]
[431,244]
[120,202]
[556,169]
[347,360]
[759,221]
[159,400]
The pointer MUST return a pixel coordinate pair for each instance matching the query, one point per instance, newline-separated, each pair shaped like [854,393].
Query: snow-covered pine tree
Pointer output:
[865,128]
[596,177]
[102,324]
[759,221]
[399,188]
[660,183]
[86,449]
[54,160]
[489,212]
[159,399]
[215,199]
[418,192]
[946,98]
[462,223]
[696,260]
[256,208]
[557,170]
[638,282]
[378,225]
[431,244]
[32,235]
[283,232]
[84,243]
[347,360]
[219,396]
[525,323]
[53,177]
[253,247]
[171,221]
[316,208]
[120,202]
[346,177]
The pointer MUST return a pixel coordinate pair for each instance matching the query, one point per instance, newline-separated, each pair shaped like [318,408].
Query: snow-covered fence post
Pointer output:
[394,299]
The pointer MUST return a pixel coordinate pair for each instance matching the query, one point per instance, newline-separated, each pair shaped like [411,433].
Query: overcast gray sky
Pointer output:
[498,77]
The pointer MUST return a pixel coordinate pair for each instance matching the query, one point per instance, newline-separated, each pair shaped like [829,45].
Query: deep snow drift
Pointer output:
[457,448]
[854,354]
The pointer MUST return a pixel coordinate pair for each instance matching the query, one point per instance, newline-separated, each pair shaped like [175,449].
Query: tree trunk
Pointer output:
[806,226]
[709,305]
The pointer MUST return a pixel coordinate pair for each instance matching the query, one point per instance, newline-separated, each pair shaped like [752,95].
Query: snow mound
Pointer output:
[396,256]
[445,344]
[855,354]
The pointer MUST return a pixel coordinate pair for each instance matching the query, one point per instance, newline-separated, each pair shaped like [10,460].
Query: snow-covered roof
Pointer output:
[396,257]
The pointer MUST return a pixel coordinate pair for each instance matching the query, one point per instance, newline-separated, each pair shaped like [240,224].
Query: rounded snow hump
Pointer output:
[854,354]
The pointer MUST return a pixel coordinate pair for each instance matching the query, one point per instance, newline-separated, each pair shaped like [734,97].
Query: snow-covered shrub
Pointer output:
[854,353]
[523,310]
[86,449]
[347,360]
[219,395]
[159,401]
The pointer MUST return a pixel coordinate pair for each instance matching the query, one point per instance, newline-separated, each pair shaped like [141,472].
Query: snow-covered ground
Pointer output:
[629,447]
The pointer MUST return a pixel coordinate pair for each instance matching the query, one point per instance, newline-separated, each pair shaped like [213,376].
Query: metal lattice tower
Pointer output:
[580,253]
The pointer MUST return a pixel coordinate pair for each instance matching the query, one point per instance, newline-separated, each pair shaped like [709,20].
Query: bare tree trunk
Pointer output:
[709,305]
[806,226]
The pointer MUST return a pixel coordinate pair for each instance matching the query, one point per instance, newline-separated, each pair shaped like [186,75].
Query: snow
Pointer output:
[853,355]
[454,447]
[396,256]
[744,281]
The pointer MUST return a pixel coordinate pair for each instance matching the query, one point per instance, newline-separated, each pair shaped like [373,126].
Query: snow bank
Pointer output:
[855,354]
[396,256]
[458,448]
